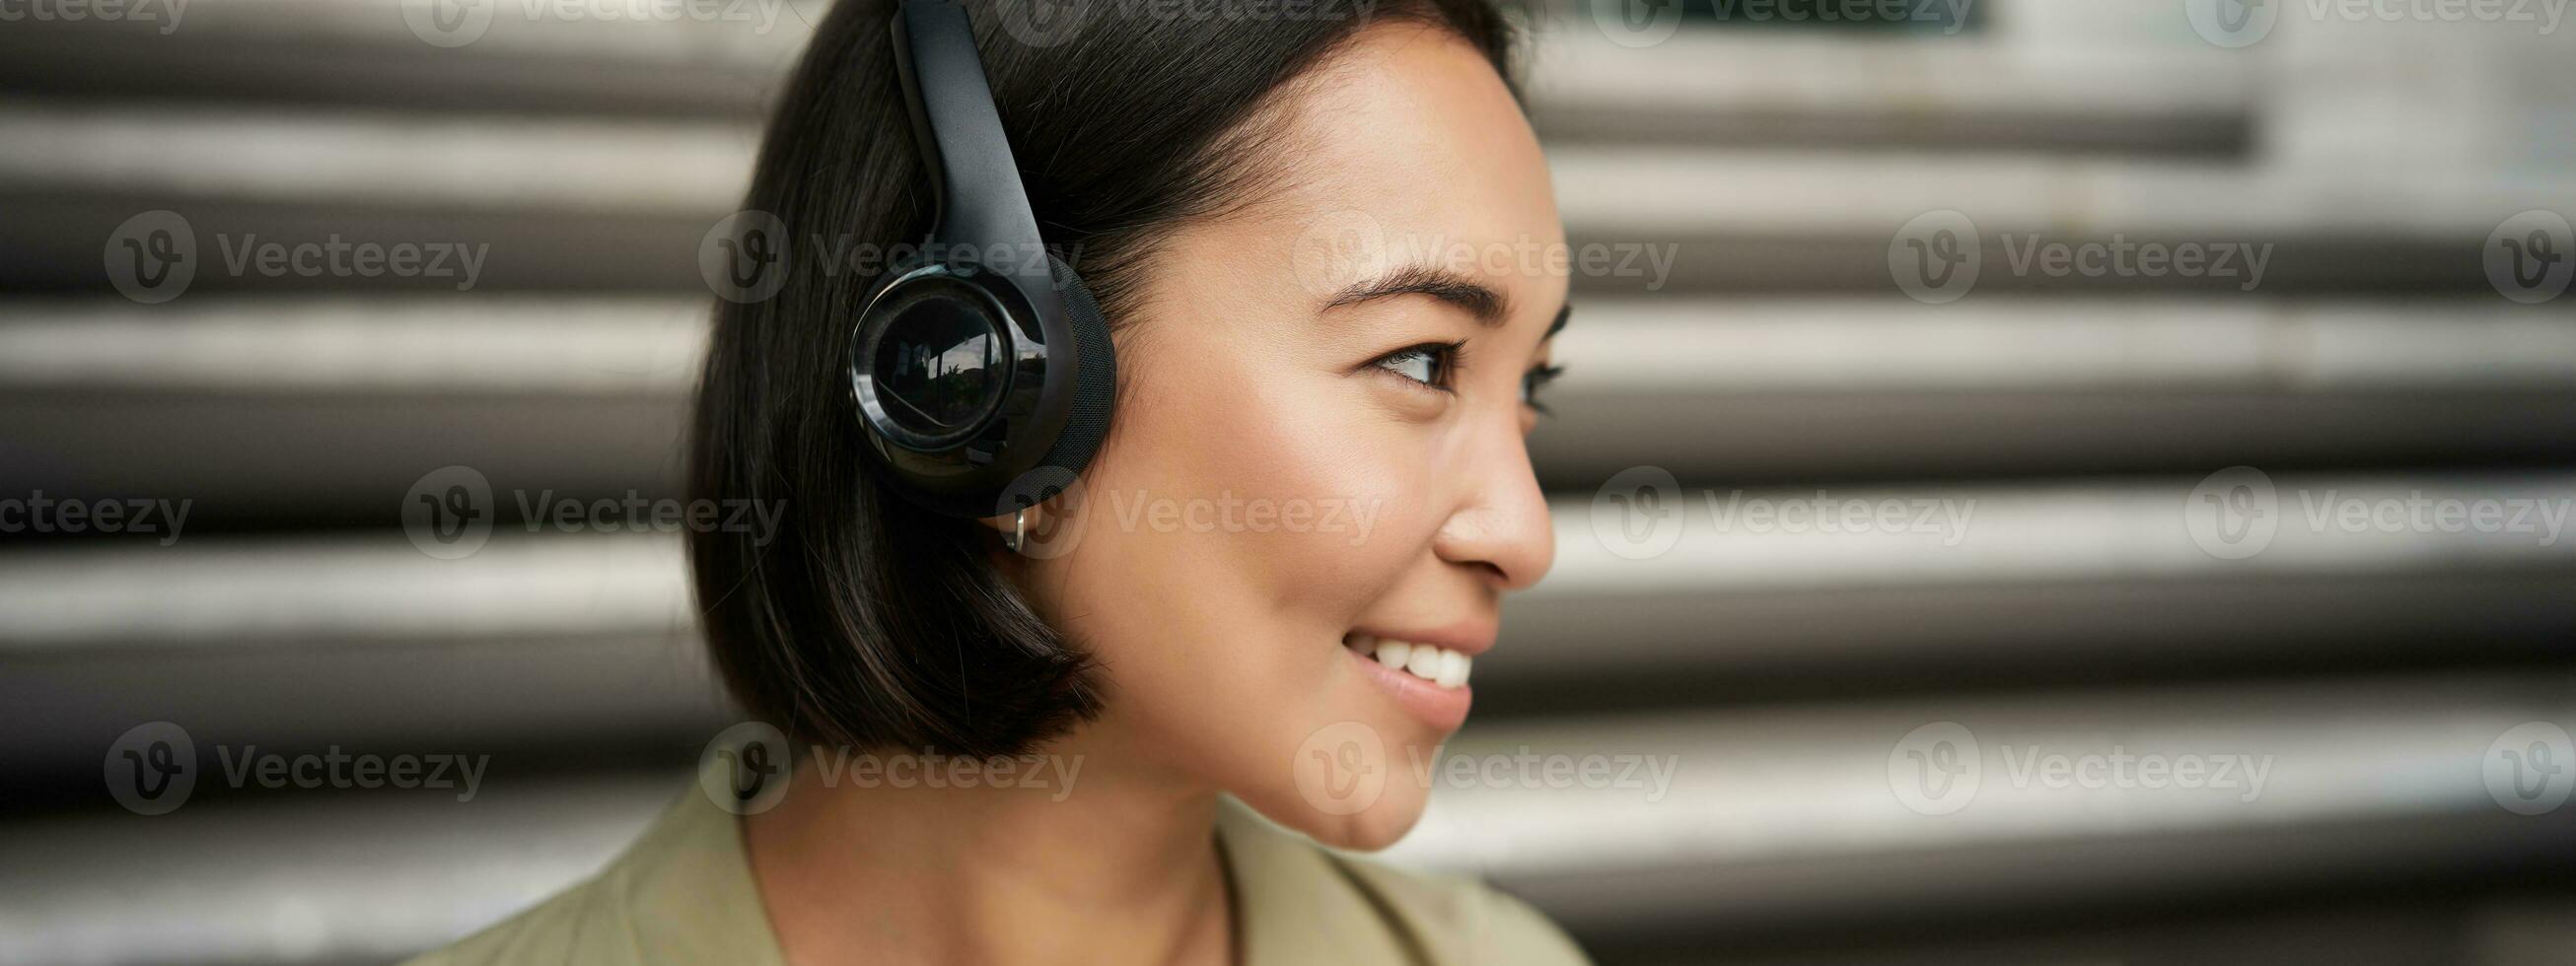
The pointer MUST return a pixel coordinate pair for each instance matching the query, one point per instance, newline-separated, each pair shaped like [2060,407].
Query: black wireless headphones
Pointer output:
[982,370]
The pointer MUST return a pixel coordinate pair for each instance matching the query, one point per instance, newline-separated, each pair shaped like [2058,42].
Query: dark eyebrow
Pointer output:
[1483,301]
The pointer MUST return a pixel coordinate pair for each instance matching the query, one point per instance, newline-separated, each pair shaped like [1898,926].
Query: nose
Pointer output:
[1500,527]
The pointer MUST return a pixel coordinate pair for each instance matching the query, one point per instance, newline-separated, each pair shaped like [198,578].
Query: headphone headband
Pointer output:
[976,196]
[983,384]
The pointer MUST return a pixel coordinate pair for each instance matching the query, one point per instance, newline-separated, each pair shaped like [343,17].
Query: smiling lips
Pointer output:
[1430,662]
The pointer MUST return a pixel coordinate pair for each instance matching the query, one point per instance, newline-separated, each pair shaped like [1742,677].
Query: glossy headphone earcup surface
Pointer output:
[1095,393]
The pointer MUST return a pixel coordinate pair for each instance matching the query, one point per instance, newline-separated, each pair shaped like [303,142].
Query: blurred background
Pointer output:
[2086,485]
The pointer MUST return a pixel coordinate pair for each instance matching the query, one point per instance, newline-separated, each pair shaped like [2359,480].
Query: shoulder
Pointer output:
[682,893]
[573,928]
[1296,892]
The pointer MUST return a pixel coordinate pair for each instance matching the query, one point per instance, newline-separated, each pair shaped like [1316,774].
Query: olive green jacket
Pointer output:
[683,893]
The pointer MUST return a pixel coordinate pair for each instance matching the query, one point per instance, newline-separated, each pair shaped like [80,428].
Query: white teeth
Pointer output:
[1438,665]
[1453,669]
[1393,653]
[1425,662]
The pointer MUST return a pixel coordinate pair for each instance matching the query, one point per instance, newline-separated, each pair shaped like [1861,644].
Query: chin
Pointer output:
[1348,788]
[1381,824]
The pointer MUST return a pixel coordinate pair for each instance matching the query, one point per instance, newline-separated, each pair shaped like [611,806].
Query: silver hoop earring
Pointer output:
[1019,535]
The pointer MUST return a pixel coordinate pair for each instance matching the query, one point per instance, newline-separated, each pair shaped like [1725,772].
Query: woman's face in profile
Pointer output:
[1319,450]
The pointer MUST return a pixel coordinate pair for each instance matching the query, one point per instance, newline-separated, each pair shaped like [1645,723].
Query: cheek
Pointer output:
[1246,511]
[1259,479]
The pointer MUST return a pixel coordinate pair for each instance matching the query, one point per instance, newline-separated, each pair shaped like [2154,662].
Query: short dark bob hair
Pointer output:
[864,622]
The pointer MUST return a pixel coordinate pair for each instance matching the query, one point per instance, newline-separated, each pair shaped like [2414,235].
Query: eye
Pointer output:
[1430,364]
[1533,381]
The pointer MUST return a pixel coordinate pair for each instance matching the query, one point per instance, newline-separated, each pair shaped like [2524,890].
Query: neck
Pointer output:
[1074,860]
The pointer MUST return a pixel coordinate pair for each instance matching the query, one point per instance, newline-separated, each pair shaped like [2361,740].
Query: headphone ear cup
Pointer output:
[1095,386]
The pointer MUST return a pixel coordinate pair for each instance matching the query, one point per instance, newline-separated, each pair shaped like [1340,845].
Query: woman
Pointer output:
[1262,593]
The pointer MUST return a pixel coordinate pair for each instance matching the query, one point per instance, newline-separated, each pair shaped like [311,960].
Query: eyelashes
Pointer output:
[1434,365]
[1535,380]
